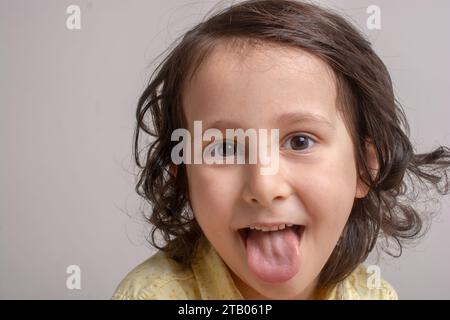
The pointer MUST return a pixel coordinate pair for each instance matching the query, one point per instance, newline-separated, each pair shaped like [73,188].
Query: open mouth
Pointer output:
[244,232]
[273,251]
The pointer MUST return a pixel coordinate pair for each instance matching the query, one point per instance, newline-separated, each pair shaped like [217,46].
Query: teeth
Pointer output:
[274,228]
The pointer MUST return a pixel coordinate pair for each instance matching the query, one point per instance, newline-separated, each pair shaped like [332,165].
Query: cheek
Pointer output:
[212,191]
[333,191]
[335,184]
[327,191]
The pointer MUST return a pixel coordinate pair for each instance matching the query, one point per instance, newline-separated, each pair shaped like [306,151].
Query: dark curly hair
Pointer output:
[365,98]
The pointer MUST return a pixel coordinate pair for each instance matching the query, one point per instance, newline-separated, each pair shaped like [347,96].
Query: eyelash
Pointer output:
[220,143]
[301,135]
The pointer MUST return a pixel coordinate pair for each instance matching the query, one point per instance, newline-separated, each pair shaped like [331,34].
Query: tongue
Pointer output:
[273,256]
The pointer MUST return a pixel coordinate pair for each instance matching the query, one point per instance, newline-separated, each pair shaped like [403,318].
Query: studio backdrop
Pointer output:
[71,72]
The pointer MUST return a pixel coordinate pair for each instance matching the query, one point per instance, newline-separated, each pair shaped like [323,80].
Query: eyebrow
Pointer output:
[283,119]
[303,116]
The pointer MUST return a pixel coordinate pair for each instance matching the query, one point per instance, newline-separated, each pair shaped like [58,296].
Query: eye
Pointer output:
[223,149]
[298,142]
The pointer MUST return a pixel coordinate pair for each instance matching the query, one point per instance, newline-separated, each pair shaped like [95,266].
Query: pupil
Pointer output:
[298,142]
[227,148]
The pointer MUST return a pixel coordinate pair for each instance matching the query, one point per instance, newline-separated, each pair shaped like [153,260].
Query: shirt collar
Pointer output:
[213,277]
[215,281]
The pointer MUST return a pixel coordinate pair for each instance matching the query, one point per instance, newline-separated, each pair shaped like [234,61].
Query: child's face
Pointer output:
[316,182]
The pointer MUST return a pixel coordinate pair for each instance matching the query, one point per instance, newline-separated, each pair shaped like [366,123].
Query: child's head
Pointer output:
[309,73]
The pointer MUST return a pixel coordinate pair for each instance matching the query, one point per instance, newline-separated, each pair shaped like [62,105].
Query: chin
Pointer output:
[288,290]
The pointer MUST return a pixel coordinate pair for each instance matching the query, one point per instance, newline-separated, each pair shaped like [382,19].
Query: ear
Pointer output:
[173,169]
[371,157]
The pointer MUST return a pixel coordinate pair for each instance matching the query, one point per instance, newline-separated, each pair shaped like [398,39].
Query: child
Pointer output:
[230,232]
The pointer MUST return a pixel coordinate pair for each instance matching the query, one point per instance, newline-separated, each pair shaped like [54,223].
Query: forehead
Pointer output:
[259,84]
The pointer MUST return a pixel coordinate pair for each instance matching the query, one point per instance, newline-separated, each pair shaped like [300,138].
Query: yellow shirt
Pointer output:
[160,277]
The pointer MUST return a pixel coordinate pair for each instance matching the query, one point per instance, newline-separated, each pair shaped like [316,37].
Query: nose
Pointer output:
[264,190]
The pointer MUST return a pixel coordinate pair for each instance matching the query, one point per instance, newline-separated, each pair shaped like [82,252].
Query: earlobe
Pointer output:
[362,189]
[173,169]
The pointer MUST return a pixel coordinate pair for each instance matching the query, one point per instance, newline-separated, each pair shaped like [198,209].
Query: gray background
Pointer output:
[67,103]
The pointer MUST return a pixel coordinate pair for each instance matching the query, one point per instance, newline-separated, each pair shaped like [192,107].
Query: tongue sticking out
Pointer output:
[273,256]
